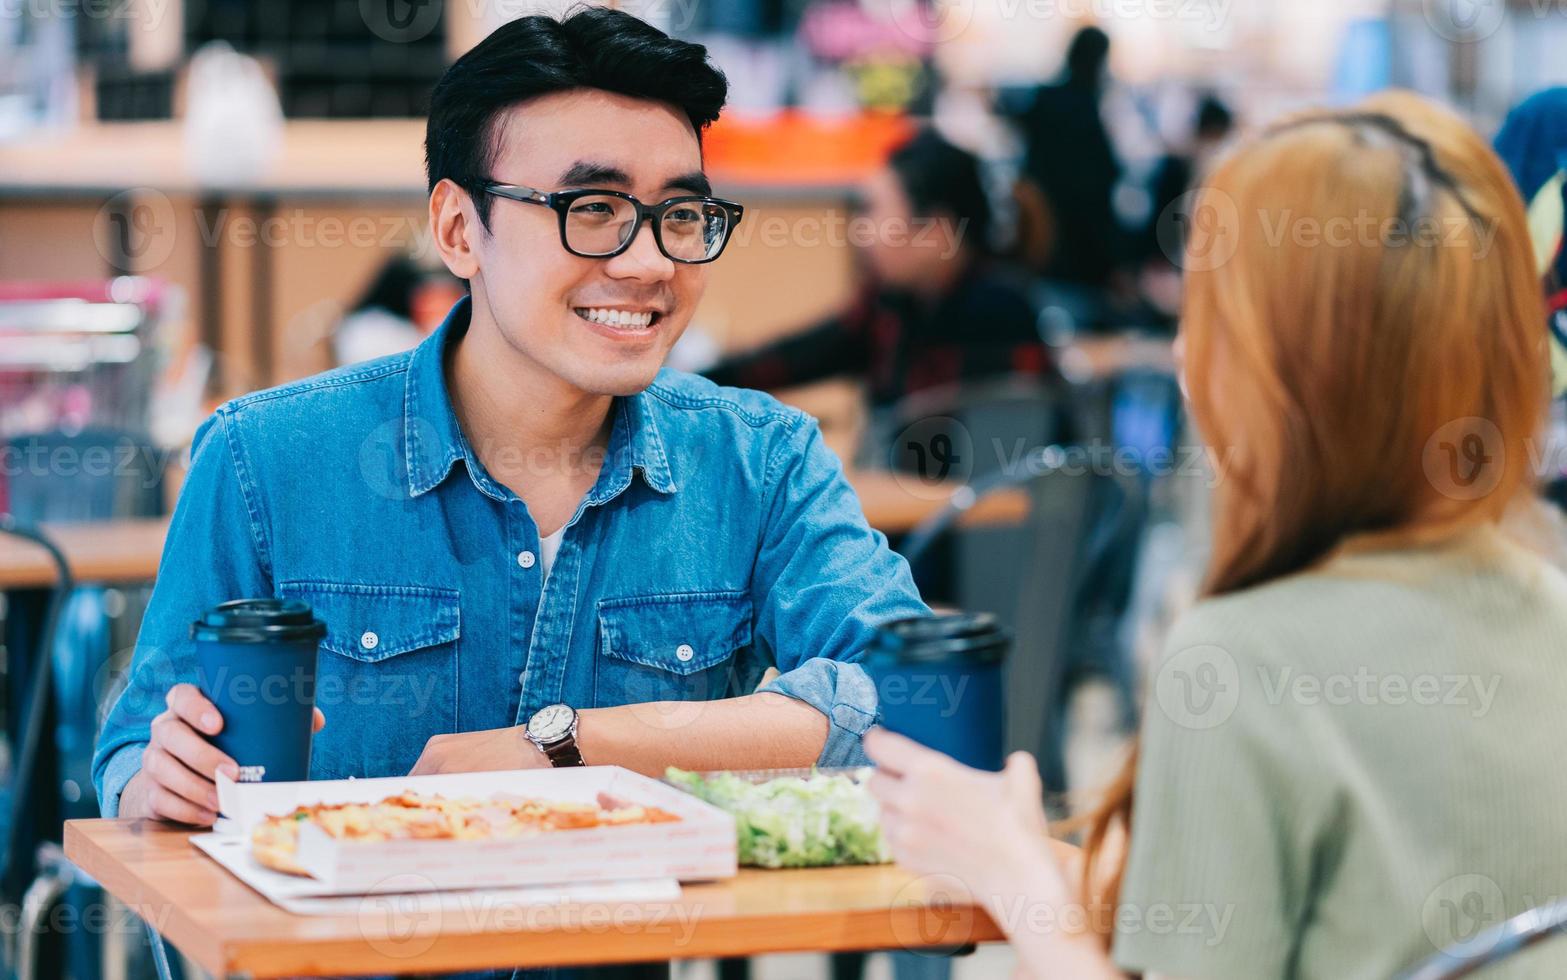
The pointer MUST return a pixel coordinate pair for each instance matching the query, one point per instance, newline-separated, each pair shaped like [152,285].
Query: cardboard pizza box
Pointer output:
[700,846]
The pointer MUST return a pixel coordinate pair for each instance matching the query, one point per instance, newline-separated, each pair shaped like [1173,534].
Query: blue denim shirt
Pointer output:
[720,539]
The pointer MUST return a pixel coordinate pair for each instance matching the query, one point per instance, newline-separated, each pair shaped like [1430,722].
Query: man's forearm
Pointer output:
[758,731]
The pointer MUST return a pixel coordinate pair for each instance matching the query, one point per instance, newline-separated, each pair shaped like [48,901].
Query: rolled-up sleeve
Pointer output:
[824,581]
[213,553]
[845,694]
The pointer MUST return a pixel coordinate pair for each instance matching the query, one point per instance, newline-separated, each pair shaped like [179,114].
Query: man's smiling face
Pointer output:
[552,306]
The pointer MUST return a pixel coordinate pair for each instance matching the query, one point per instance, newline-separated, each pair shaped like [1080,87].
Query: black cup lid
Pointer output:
[976,637]
[258,621]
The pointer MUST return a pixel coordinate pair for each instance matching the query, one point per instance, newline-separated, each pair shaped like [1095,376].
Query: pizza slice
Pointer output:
[415,816]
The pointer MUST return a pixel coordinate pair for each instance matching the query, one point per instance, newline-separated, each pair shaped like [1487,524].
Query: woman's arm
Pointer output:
[1052,945]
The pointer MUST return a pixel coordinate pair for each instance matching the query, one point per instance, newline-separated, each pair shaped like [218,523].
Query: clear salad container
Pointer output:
[795,818]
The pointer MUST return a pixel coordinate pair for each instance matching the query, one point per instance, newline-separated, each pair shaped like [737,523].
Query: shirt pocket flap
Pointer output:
[682,633]
[370,623]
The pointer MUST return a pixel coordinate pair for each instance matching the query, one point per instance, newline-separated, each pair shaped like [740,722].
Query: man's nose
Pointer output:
[643,260]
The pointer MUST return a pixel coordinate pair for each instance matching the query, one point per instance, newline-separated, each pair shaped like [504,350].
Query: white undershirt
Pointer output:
[548,546]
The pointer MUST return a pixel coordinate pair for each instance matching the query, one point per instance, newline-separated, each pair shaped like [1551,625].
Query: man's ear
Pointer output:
[454,228]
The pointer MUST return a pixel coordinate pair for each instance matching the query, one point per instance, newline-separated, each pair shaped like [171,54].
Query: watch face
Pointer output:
[551,723]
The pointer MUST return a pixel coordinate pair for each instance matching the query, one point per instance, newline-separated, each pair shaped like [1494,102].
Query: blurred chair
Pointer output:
[1063,583]
[96,475]
[993,421]
[1493,945]
[23,789]
[92,475]
[963,433]
[67,655]
[975,433]
[1032,576]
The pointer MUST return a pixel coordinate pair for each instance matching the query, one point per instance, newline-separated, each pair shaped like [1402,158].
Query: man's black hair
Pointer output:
[593,47]
[938,176]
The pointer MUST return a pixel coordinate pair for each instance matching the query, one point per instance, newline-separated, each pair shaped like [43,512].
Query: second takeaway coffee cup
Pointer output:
[938,681]
[256,662]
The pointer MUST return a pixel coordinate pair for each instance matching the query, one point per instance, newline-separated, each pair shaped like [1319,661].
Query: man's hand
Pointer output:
[179,766]
[496,748]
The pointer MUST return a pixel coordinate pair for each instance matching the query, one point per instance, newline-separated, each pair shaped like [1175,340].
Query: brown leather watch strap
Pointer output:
[564,754]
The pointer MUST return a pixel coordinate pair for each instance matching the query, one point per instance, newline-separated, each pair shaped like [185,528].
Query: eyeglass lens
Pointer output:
[601,224]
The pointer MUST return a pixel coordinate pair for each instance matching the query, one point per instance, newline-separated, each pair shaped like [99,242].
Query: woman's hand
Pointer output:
[986,829]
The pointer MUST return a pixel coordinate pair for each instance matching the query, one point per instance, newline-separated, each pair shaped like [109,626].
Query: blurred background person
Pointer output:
[1155,251]
[1069,157]
[1533,144]
[932,308]
[403,304]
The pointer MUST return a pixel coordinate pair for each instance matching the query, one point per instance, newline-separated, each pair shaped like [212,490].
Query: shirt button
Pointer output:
[369,640]
[526,559]
[684,652]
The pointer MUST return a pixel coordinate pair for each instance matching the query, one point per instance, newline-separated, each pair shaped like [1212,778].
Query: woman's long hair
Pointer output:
[1364,347]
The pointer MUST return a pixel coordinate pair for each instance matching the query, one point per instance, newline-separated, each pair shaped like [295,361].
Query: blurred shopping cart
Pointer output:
[80,355]
[78,370]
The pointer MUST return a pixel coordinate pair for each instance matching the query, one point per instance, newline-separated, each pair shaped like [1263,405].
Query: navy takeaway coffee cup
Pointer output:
[256,662]
[938,680]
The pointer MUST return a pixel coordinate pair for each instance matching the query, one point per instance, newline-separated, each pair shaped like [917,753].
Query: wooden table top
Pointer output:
[106,553]
[127,551]
[894,503]
[228,929]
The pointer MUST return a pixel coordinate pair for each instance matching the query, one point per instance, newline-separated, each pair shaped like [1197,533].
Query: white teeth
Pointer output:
[622,319]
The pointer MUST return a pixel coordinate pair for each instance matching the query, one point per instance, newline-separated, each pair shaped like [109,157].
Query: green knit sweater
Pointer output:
[1349,768]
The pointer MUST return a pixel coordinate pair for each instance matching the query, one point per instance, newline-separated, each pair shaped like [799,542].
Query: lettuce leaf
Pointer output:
[794,821]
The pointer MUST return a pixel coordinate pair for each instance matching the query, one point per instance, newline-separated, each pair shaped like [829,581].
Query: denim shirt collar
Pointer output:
[434,442]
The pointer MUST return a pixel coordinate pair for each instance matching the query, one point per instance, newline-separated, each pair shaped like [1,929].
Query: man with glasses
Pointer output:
[530,545]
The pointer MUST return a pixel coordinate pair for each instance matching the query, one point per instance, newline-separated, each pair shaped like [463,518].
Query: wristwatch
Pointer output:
[554,730]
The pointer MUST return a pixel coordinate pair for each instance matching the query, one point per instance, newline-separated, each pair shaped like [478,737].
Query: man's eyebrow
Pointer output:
[694,182]
[585,173]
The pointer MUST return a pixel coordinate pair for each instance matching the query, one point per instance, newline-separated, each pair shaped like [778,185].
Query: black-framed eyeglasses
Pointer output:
[600,224]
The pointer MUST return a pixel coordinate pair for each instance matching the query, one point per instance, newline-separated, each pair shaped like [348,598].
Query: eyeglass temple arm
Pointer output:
[517,192]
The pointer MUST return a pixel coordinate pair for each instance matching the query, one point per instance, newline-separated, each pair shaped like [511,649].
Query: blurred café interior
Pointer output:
[202,198]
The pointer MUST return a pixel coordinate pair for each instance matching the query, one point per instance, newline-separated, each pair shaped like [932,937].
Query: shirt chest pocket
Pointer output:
[670,647]
[386,676]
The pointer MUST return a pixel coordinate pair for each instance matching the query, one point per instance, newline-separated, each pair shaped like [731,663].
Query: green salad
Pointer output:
[796,821]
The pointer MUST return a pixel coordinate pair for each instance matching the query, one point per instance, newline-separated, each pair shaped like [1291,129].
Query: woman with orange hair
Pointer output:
[1352,750]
